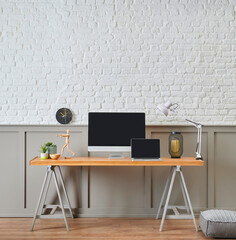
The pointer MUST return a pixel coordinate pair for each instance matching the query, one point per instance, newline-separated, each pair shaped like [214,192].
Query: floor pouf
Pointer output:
[218,223]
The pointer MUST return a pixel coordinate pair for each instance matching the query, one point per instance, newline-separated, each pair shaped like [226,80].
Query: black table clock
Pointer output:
[64,115]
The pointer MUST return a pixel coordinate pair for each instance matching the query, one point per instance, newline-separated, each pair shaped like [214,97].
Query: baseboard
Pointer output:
[104,213]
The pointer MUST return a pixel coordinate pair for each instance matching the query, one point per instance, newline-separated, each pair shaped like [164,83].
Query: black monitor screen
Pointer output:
[145,148]
[115,129]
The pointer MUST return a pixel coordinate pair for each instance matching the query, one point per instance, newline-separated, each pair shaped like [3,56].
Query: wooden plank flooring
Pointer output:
[98,228]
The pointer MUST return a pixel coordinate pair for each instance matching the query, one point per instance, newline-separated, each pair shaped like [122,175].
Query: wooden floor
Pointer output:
[98,228]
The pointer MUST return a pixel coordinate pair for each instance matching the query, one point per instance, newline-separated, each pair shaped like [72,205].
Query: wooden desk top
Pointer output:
[102,161]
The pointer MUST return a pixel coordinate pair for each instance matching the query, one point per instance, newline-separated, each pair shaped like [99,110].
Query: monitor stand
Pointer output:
[117,155]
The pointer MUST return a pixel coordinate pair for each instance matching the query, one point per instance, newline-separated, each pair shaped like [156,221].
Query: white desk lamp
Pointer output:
[172,107]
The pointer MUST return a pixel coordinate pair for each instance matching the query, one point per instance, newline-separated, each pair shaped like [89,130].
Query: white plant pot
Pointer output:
[44,155]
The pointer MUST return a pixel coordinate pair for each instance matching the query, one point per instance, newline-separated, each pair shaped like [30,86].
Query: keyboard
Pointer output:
[146,159]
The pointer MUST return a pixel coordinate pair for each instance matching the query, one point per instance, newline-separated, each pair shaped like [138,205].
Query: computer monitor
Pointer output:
[112,131]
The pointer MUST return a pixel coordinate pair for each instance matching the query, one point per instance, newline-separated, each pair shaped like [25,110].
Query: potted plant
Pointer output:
[51,148]
[44,154]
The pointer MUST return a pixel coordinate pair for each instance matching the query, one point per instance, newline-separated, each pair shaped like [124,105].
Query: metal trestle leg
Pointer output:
[59,196]
[164,193]
[188,205]
[39,201]
[43,194]
[64,189]
[46,191]
[183,192]
[188,198]
[167,199]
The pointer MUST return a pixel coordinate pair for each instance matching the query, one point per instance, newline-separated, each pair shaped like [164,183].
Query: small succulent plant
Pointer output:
[44,148]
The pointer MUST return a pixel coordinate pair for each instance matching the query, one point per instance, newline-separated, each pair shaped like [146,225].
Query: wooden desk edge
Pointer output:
[101,161]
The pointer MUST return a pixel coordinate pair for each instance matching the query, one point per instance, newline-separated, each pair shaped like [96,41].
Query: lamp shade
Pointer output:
[164,107]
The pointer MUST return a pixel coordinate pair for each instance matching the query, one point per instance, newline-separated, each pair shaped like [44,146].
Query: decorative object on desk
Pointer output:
[51,148]
[172,107]
[64,115]
[67,136]
[44,154]
[175,145]
[55,156]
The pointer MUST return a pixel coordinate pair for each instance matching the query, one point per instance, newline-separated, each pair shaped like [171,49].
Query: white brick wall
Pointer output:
[117,55]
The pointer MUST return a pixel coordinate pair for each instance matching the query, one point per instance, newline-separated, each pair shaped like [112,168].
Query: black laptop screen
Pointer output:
[145,148]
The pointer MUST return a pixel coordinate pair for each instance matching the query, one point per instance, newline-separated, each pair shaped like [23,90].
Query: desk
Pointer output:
[53,165]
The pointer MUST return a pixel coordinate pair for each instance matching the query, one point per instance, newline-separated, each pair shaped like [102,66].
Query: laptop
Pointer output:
[145,149]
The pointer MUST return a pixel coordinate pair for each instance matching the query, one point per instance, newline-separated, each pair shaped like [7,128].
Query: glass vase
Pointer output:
[176,145]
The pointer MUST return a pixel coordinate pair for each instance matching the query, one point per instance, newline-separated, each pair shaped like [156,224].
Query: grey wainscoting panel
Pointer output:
[115,191]
[9,172]
[225,170]
[72,175]
[195,177]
